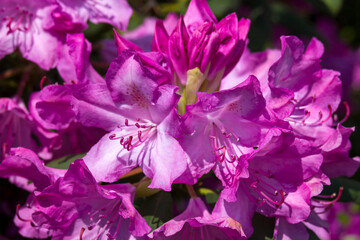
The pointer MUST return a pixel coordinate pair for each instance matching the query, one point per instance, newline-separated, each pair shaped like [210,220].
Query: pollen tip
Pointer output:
[81,233]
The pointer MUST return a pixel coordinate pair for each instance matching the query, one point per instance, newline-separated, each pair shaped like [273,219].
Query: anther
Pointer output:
[42,82]
[328,203]
[347,112]
[81,233]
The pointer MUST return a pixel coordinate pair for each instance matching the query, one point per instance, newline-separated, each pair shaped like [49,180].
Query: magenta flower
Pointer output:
[229,126]
[18,128]
[140,115]
[273,187]
[344,220]
[24,168]
[24,163]
[197,222]
[74,64]
[157,63]
[51,107]
[83,209]
[142,37]
[27,25]
[200,41]
[22,27]
[298,91]
[318,220]
[113,12]
[336,154]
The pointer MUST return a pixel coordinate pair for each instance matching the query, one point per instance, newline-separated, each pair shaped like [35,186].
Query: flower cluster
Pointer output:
[193,102]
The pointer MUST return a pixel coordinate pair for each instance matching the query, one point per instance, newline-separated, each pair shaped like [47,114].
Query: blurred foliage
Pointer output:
[157,209]
[64,162]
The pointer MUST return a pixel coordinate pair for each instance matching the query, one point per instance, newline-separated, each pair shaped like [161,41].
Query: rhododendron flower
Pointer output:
[298,91]
[24,168]
[38,28]
[182,97]
[317,220]
[24,163]
[107,211]
[227,123]
[22,27]
[273,187]
[197,222]
[140,115]
[18,128]
[142,37]
[74,65]
[113,12]
[51,107]
[200,41]
[344,220]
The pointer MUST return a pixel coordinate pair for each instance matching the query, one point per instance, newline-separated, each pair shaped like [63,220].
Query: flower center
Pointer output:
[135,134]
[103,218]
[225,144]
[16,19]
[303,116]
[260,189]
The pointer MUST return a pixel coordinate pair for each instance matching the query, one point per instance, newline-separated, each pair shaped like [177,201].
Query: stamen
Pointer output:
[326,196]
[81,233]
[329,203]
[113,216]
[261,189]
[223,146]
[329,116]
[17,19]
[347,112]
[135,138]
[42,82]
[266,197]
[319,121]
[4,150]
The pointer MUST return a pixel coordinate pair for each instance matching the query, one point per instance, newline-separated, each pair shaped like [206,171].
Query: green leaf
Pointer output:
[263,227]
[157,209]
[351,192]
[64,162]
[222,7]
[292,20]
[135,21]
[210,196]
[333,5]
[142,189]
[343,219]
[351,237]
